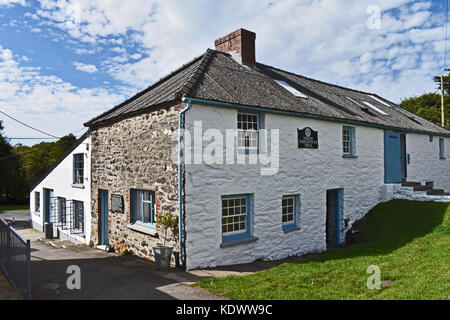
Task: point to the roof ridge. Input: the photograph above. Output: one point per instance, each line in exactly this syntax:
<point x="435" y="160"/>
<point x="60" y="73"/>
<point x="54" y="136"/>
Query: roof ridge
<point x="140" y="93"/>
<point x="195" y="75"/>
<point x="315" y="80"/>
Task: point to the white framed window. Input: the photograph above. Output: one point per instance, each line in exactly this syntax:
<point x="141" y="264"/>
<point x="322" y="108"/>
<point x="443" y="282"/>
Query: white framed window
<point x="288" y="213"/>
<point x="348" y="141"/>
<point x="78" y="169"/>
<point x="248" y="131"/>
<point x="235" y="215"/>
<point x="144" y="211"/>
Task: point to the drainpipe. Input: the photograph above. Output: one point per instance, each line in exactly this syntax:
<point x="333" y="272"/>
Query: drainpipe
<point x="180" y="177"/>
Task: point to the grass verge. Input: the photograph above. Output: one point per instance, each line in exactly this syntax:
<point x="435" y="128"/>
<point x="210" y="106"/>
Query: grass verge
<point x="409" y="241"/>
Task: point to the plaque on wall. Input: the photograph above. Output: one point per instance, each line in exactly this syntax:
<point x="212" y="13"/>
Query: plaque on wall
<point x="308" y="139"/>
<point x="117" y="205"/>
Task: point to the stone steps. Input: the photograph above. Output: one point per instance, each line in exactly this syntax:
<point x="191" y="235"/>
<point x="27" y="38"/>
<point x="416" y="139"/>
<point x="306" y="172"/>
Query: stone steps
<point x="417" y="192"/>
<point x="411" y="184"/>
<point x="423" y="188"/>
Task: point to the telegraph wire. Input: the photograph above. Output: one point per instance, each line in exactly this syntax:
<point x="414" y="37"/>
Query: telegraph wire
<point x="28" y="126"/>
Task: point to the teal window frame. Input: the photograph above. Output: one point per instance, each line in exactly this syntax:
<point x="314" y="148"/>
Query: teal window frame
<point x="259" y="122"/>
<point x="151" y="202"/>
<point x="78" y="169"/>
<point x="351" y="141"/>
<point x="291" y="225"/>
<point x="241" y="234"/>
<point x="441" y="148"/>
<point x="37" y="201"/>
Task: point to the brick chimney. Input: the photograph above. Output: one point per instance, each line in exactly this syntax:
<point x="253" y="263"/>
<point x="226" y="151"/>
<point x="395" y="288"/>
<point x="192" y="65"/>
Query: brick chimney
<point x="241" y="45"/>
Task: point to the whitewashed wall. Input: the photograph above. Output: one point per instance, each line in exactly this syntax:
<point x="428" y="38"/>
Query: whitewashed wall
<point x="306" y="172"/>
<point x="61" y="180"/>
<point x="425" y="164"/>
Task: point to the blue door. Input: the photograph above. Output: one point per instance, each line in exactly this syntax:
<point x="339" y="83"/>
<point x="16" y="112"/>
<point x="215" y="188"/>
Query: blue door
<point x="104" y="210"/>
<point x="393" y="170"/>
<point x="49" y="208"/>
<point x="334" y="217"/>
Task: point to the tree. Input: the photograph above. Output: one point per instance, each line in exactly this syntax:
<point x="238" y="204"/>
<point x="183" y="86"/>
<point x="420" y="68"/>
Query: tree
<point x="428" y="105"/>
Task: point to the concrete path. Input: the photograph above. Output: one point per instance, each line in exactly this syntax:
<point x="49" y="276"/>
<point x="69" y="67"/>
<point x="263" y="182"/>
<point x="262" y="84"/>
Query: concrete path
<point x="103" y="275"/>
<point x="7" y="292"/>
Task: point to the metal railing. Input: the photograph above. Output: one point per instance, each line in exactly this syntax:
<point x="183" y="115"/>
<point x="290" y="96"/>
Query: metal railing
<point x="15" y="259"/>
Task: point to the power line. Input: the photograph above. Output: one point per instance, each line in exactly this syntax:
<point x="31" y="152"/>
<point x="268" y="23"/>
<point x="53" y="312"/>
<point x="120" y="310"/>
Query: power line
<point x="28" y="126"/>
<point x="8" y="138"/>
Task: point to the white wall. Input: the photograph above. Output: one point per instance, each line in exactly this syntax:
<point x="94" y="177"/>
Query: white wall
<point x="61" y="180"/>
<point x="425" y="163"/>
<point x="306" y="172"/>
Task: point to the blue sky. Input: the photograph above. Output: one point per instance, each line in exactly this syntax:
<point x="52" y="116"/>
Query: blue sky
<point x="63" y="62"/>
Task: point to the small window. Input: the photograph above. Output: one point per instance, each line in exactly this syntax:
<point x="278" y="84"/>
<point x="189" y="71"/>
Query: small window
<point x="375" y="108"/>
<point x="289" y="214"/>
<point x="431" y="138"/>
<point x="37" y="201"/>
<point x="78" y="217"/>
<point x="61" y="208"/>
<point x="441" y="148"/>
<point x="291" y="89"/>
<point x="379" y="100"/>
<point x="348" y="141"/>
<point x="248" y="131"/>
<point x="144" y="212"/>
<point x="78" y="168"/>
<point x="235" y="215"/>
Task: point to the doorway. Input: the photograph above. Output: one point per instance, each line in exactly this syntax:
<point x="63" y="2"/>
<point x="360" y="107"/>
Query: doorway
<point x="395" y="159"/>
<point x="334" y="217"/>
<point x="49" y="206"/>
<point x="103" y="217"/>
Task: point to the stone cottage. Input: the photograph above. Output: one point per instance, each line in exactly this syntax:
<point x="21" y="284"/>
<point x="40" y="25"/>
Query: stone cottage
<point x="257" y="162"/>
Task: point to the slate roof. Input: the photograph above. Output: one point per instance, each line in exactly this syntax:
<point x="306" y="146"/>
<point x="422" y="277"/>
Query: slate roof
<point x="217" y="77"/>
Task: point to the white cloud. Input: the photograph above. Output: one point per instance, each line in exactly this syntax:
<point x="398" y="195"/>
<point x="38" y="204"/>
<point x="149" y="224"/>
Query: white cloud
<point x="11" y="2"/>
<point x="89" y="68"/>
<point x="48" y="102"/>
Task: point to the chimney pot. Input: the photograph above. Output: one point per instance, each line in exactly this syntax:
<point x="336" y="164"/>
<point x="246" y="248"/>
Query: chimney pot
<point x="241" y="44"/>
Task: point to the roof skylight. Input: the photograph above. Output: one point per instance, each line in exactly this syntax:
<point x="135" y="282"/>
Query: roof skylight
<point x="375" y="108"/>
<point x="379" y="100"/>
<point x="291" y="89"/>
<point x="357" y="103"/>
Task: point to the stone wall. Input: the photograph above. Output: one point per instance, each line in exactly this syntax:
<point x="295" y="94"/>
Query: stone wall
<point x="136" y="153"/>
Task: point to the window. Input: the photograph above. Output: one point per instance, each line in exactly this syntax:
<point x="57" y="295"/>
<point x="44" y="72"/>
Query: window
<point x="61" y="209"/>
<point x="235" y="215"/>
<point x="348" y="141"/>
<point x="37" y="201"/>
<point x="291" y="89"/>
<point x="375" y="108"/>
<point x="248" y="134"/>
<point x="289" y="205"/>
<point x="431" y="138"/>
<point x="144" y="212"/>
<point x="78" y="216"/>
<point x="78" y="168"/>
<point x="441" y="148"/>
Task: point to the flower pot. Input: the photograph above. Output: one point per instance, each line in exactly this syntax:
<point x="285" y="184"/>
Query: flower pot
<point x="162" y="257"/>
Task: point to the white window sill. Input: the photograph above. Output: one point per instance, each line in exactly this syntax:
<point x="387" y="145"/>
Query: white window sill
<point x="143" y="229"/>
<point x="78" y="186"/>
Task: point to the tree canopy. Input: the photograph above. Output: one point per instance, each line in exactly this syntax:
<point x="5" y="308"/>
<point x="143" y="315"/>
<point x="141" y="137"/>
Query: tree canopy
<point x="21" y="166"/>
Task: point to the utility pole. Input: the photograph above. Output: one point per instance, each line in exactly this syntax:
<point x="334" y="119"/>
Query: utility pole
<point x="442" y="102"/>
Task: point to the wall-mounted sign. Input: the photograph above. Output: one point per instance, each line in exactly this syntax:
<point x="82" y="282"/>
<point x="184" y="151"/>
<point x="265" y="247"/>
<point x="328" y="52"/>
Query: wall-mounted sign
<point x="308" y="139"/>
<point x="117" y="205"/>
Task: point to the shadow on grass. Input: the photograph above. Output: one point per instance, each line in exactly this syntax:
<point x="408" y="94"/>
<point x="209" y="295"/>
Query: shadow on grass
<point x="388" y="227"/>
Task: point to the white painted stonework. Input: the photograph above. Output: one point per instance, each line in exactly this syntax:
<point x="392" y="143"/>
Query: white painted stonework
<point x="307" y="172"/>
<point x="408" y="193"/>
<point x="425" y="164"/>
<point x="61" y="181"/>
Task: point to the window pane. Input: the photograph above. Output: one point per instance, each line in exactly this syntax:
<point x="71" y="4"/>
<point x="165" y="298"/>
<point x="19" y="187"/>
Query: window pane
<point x="234" y="213"/>
<point x="139" y="206"/>
<point x="147" y="212"/>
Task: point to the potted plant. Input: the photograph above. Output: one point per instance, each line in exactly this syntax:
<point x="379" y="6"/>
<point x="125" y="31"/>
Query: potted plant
<point x="162" y="253"/>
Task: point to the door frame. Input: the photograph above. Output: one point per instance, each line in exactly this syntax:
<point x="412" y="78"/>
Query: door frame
<point x="103" y="227"/>
<point x="391" y="161"/>
<point x="338" y="215"/>
<point x="47" y="203"/>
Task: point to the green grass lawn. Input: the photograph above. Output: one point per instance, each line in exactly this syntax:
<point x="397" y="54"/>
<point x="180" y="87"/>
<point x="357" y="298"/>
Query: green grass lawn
<point x="409" y="241"/>
<point x="14" y="207"/>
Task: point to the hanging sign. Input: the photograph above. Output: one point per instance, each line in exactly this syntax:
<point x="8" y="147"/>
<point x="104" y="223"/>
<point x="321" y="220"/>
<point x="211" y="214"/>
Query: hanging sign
<point x="117" y="203"/>
<point x="308" y="139"/>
